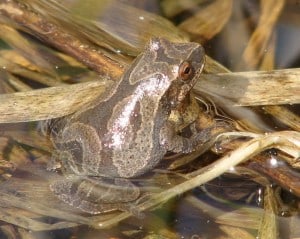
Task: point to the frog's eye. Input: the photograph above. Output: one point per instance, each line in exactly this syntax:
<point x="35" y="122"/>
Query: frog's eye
<point x="185" y="71"/>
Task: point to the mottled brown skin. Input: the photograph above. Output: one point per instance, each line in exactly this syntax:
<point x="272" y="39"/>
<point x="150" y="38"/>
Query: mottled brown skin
<point x="127" y="132"/>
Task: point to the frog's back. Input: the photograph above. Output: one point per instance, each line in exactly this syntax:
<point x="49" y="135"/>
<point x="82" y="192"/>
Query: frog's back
<point x="128" y="128"/>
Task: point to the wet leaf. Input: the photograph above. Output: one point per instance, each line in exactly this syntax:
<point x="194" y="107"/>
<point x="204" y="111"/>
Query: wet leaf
<point x="257" y="45"/>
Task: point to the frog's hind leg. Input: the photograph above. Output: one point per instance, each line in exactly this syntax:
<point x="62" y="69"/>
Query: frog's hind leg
<point x="91" y="196"/>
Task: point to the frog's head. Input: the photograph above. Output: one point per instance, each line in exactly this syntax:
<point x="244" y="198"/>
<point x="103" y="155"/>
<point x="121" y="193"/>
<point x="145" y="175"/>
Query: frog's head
<point x="170" y="68"/>
<point x="185" y="64"/>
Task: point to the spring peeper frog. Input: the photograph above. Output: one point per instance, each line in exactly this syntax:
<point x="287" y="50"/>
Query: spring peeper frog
<point x="126" y="132"/>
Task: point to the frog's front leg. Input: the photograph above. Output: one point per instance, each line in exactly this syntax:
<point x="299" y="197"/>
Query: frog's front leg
<point x="179" y="144"/>
<point x="95" y="194"/>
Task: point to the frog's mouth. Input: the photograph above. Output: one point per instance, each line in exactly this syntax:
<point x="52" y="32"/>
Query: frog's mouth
<point x="184" y="104"/>
<point x="198" y="72"/>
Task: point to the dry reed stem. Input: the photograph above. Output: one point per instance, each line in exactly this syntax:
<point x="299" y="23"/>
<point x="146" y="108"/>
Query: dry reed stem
<point x="60" y="38"/>
<point x="256" y="47"/>
<point x="51" y="102"/>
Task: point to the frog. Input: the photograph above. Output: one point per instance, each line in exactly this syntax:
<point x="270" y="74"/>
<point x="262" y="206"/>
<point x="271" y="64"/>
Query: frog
<point x="126" y="131"/>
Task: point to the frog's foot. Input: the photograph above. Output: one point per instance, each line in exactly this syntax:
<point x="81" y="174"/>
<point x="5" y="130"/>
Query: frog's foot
<point x="131" y="208"/>
<point x="222" y="126"/>
<point x="206" y="135"/>
<point x="134" y="207"/>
